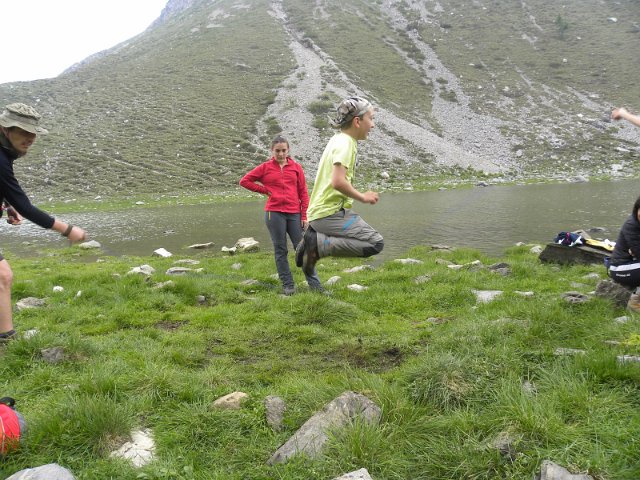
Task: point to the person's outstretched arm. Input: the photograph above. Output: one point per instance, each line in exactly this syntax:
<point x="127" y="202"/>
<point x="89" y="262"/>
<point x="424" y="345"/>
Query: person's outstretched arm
<point x="623" y="113"/>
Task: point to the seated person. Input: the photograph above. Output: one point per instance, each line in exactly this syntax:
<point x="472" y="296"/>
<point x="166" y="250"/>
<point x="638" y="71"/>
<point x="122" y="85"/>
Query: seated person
<point x="624" y="267"/>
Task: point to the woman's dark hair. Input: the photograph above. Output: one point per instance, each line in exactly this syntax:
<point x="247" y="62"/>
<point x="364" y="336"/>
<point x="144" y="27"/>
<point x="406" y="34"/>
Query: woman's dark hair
<point x="280" y="139"/>
<point x="636" y="207"/>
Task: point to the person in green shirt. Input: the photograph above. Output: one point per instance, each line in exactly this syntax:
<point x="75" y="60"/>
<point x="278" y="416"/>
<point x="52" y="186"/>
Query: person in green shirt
<point x="334" y="229"/>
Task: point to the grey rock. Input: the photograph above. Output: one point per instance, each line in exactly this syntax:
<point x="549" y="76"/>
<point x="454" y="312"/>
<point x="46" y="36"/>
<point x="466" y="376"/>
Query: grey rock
<point x="274" y="411"/>
<point x="621" y="320"/>
<point x="579" y="254"/>
<point x="357" y="288"/>
<point x="421" y="279"/>
<point x="359" y="268"/>
<point x="53" y="355"/>
<point x="142" y="270"/>
<point x="182" y="270"/>
<point x="162" y="252"/>
<point x="552" y="471"/>
<point x="333" y="280"/>
<point x="90" y="244"/>
<point x="311" y="437"/>
<point x="30" y="302"/>
<point x="187" y="261"/>
<point x="485" y="296"/>
<point x="438" y="246"/>
<point x="229" y="250"/>
<point x="362" y="474"/>
<point x="247" y="245"/>
<point x="568" y="352"/>
<point x="52" y="471"/>
<point x="140" y="450"/>
<point x="232" y="401"/>
<point x="574" y="297"/>
<point x="408" y="261"/>
<point x="628" y="359"/>
<point x="201" y="246"/>
<point x="615" y="292"/>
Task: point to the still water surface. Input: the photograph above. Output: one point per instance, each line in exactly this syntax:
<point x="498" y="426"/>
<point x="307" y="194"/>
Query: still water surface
<point x="489" y="219"/>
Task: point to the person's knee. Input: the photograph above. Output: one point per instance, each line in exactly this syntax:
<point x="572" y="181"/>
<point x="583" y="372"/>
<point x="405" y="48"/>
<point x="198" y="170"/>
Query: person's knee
<point x="375" y="249"/>
<point x="6" y="275"/>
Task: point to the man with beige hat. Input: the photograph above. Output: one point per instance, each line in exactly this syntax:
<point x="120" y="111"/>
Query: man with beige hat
<point x="19" y="125"/>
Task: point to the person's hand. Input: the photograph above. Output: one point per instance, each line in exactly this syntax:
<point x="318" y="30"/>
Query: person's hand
<point x="13" y="217"/>
<point x="305" y="225"/>
<point x="77" y="235"/>
<point x="370" y="197"/>
<point x="618" y="113"/>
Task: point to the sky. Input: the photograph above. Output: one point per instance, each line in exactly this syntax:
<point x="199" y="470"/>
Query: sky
<point x="42" y="38"/>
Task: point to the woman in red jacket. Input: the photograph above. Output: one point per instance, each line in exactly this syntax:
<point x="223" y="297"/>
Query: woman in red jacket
<point x="281" y="178"/>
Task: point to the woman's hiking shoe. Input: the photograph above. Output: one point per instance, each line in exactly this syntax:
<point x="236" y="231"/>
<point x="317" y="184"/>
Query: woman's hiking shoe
<point x="8" y="336"/>
<point x="311" y="255"/>
<point x="288" y="291"/>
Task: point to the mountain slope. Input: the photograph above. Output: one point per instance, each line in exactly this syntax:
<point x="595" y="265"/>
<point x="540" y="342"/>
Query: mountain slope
<point x="514" y="89"/>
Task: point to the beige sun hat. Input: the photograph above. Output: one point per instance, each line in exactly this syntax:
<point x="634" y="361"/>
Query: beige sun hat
<point x="22" y="116"/>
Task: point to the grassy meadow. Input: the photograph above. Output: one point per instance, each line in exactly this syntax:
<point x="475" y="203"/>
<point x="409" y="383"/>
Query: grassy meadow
<point x="447" y="372"/>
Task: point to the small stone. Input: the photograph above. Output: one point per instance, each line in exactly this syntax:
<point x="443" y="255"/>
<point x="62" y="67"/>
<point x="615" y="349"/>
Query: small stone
<point x="140" y="450"/>
<point x="89" y="245"/>
<point x="621" y="320"/>
<point x="30" y="333"/>
<point x="628" y="359"/>
<point x="167" y="284"/>
<point x="362" y="474"/>
<point x="560" y="352"/>
<point x="357" y="269"/>
<point x="30" y="302"/>
<point x="78" y="293"/>
<point x="274" y="410"/>
<point x="249" y="282"/>
<point x="162" y="252"/>
<point x="486" y="296"/>
<point x="180" y="270"/>
<point x="421" y="279"/>
<point x="536" y="250"/>
<point x="200" y="246"/>
<point x="231" y="401"/>
<point x="524" y="294"/>
<point x="574" y="297"/>
<point x="357" y="288"/>
<point x="187" y="261"/>
<point x="147" y="270"/>
<point x="408" y="261"/>
<point x="53" y="355"/>
<point x="247" y="245"/>
<point x="201" y="299"/>
<point x="333" y="280"/>
<point x="58" y="288"/>
<point x="236" y="266"/>
<point x="229" y="250"/>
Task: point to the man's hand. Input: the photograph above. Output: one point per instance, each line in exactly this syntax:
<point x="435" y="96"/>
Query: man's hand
<point x="618" y="113"/>
<point x="77" y="235"/>
<point x="13" y="217"/>
<point x="370" y="197"/>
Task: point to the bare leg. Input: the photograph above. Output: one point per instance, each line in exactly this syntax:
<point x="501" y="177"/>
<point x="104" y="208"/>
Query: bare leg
<point x="6" y="279"/>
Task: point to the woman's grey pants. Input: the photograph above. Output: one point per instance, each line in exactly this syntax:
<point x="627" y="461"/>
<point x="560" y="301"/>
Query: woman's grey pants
<point x="280" y="225"/>
<point x="346" y="234"/>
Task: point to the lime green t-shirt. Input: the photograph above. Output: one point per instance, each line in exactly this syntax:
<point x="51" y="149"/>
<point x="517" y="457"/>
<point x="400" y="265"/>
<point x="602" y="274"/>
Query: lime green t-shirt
<point x="326" y="200"/>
